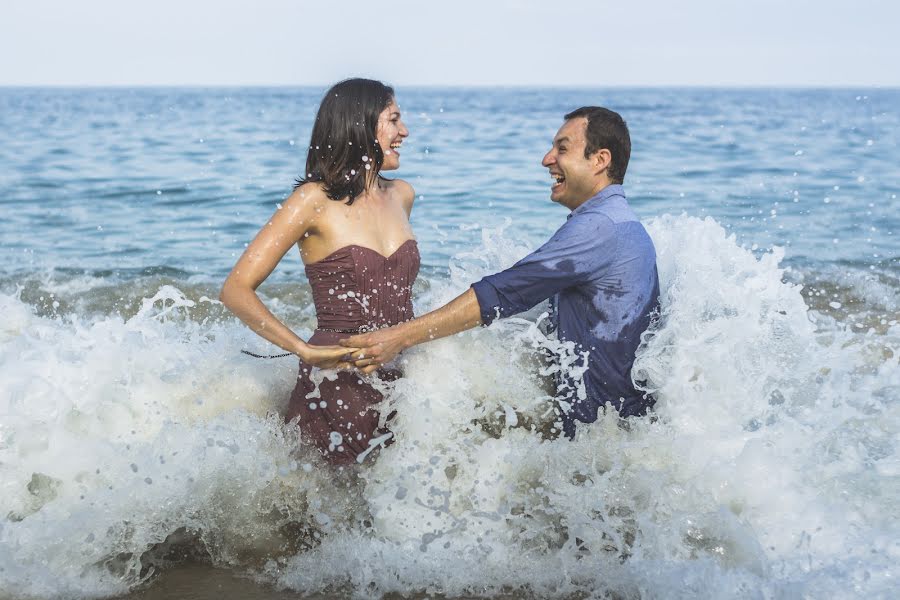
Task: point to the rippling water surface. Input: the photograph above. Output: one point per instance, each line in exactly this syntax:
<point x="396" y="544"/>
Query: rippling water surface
<point x="135" y="439"/>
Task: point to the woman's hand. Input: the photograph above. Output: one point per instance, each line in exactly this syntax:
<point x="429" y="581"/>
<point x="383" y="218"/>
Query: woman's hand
<point x="327" y="357"/>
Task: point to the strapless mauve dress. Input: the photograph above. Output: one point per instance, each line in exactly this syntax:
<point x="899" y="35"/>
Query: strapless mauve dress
<point x="354" y="289"/>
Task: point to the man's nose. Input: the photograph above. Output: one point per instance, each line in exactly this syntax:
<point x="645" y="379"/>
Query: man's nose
<point x="549" y="159"/>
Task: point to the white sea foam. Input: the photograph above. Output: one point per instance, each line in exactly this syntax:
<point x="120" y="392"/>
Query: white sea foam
<point x="770" y="469"/>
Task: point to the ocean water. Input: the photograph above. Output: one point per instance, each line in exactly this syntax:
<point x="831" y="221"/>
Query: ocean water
<point x="136" y="440"/>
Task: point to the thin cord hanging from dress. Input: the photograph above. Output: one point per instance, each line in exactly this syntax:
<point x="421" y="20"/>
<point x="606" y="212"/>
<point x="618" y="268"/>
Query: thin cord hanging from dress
<point x="267" y="355"/>
<point x="360" y="329"/>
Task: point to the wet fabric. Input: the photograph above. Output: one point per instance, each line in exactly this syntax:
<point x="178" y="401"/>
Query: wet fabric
<point x="599" y="271"/>
<point x="354" y="289"/>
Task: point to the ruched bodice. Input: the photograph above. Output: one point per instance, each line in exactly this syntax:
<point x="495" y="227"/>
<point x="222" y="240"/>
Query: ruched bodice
<point x="356" y="288"/>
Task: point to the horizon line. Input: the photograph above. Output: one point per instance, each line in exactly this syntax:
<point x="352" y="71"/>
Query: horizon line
<point x="694" y="86"/>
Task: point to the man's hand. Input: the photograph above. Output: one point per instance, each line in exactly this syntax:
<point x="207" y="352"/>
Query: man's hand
<point x="372" y="350"/>
<point x="328" y="357"/>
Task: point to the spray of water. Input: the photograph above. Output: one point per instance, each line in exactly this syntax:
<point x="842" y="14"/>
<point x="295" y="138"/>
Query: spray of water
<point x="768" y="469"/>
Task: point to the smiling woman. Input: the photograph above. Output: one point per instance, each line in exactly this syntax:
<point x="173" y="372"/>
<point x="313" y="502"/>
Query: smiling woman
<point x="352" y="227"/>
<point x="343" y="154"/>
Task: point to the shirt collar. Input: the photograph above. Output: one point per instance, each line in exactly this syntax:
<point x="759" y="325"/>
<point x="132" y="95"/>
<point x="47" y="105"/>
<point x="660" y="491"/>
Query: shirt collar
<point x="609" y="191"/>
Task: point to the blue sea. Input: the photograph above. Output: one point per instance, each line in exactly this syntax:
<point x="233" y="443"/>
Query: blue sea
<point x="136" y="440"/>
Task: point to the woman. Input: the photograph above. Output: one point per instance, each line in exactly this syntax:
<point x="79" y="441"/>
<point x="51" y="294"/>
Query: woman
<point x="352" y="228"/>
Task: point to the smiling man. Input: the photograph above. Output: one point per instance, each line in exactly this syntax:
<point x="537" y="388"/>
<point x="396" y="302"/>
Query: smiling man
<point x="598" y="270"/>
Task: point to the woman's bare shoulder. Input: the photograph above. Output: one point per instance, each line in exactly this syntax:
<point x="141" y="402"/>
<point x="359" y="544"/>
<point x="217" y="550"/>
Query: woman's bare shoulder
<point x="403" y="191"/>
<point x="402" y="187"/>
<point x="308" y="195"/>
<point x="300" y="212"/>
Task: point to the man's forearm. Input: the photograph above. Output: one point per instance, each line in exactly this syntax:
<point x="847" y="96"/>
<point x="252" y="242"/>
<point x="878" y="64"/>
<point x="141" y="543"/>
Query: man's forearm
<point x="462" y="313"/>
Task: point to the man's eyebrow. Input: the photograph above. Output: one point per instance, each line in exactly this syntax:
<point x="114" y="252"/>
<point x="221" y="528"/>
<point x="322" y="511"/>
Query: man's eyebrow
<point x="559" y="141"/>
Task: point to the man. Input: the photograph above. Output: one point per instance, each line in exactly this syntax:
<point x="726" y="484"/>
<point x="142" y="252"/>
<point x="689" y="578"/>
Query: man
<point x="598" y="269"/>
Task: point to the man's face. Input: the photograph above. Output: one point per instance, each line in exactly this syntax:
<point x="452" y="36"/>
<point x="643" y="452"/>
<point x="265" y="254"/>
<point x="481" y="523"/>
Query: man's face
<point x="575" y="178"/>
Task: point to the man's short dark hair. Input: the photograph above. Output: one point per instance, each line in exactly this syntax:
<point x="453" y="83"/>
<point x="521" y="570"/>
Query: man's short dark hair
<point x="606" y="129"/>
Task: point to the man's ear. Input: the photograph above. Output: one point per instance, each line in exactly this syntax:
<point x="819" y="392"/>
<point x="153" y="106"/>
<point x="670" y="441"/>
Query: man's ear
<point x="601" y="159"/>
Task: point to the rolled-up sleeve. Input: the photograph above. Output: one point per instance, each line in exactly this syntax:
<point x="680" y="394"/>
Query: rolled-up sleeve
<point x="580" y="250"/>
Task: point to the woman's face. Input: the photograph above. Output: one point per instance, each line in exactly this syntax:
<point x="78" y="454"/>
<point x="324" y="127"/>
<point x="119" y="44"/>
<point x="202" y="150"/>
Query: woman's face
<point x="390" y="134"/>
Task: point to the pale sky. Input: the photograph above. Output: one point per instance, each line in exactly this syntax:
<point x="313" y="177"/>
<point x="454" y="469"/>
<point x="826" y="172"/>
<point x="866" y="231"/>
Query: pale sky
<point x="454" y="42"/>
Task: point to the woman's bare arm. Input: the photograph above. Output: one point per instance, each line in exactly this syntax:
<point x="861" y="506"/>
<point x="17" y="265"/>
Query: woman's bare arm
<point x="288" y="225"/>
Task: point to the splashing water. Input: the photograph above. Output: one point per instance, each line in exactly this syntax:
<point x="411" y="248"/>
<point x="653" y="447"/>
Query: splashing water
<point x="768" y="469"/>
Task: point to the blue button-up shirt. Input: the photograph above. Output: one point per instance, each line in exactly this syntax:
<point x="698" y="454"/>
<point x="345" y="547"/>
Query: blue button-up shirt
<point x="599" y="270"/>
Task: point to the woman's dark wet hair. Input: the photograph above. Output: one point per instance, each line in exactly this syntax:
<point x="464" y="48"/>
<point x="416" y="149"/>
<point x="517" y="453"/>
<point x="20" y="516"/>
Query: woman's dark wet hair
<point x="343" y="153"/>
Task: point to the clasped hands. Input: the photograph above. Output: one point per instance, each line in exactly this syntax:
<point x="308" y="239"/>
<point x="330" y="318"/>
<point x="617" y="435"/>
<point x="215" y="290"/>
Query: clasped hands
<point x="365" y="352"/>
<point x="369" y="351"/>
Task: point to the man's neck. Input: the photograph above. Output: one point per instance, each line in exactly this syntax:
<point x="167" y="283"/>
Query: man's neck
<point x="601" y="185"/>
